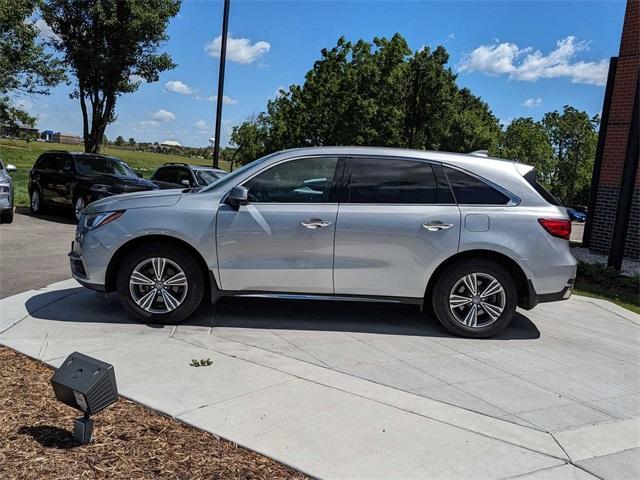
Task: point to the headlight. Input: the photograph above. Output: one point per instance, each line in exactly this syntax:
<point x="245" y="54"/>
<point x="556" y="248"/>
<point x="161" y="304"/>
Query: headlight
<point x="95" y="220"/>
<point x="5" y="188"/>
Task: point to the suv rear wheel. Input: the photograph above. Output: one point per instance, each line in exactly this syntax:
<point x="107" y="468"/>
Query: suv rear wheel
<point x="160" y="284"/>
<point x="475" y="298"/>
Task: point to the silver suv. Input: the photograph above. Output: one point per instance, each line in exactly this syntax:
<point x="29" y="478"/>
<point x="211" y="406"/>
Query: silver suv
<point x="471" y="237"/>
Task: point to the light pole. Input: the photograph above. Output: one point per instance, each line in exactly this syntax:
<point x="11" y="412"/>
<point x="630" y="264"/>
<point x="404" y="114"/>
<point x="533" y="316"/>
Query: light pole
<point x="223" y="57"/>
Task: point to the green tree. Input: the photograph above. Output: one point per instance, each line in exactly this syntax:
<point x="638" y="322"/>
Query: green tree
<point x="119" y="141"/>
<point x="25" y="67"/>
<point x="109" y="45"/>
<point x="378" y="93"/>
<point x="250" y="140"/>
<point x="526" y="141"/>
<point x="132" y="142"/>
<point x="573" y="138"/>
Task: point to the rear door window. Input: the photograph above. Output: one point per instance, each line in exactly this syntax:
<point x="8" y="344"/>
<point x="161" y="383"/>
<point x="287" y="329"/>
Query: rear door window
<point x="392" y="181"/>
<point x="470" y="190"/>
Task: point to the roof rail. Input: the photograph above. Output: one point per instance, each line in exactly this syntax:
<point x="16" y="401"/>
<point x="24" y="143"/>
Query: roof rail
<point x="480" y="153"/>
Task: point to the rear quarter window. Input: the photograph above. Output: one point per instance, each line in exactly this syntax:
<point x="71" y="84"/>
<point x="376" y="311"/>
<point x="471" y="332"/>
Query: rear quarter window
<point x="543" y="192"/>
<point x="473" y="191"/>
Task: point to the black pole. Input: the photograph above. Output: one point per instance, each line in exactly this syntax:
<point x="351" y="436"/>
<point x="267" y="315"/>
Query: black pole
<point x="597" y="166"/>
<point x="223" y="57"/>
<point x="625" y="197"/>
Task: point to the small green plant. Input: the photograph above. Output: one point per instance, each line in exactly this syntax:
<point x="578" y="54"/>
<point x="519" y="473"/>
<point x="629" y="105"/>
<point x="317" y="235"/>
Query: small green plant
<point x="203" y="362"/>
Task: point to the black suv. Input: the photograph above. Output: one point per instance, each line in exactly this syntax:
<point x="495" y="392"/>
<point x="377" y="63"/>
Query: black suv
<point x="69" y="179"/>
<point x="181" y="175"/>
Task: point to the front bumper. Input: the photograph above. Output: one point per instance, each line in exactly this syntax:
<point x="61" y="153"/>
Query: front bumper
<point x="88" y="261"/>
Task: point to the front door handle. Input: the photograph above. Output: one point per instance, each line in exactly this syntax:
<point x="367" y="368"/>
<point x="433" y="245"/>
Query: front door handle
<point x="435" y="226"/>
<point x="313" y="223"/>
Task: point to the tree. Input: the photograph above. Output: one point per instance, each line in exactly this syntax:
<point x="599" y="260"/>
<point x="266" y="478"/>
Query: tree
<point x="119" y="141"/>
<point x="377" y="93"/>
<point x="574" y="139"/>
<point x="526" y="141"/>
<point x="132" y="142"/>
<point x="110" y="46"/>
<point x="25" y="67"/>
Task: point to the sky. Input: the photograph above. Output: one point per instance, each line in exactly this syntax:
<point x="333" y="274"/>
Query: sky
<point x="522" y="58"/>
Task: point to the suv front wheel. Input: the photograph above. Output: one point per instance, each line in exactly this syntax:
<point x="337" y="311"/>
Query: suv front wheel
<point x="475" y="298"/>
<point x="160" y="284"/>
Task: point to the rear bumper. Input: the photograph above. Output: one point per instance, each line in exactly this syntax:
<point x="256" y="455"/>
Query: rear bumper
<point x="532" y="298"/>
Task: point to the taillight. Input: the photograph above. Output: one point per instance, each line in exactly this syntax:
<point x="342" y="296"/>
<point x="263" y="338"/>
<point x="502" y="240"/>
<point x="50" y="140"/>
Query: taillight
<point x="557" y="227"/>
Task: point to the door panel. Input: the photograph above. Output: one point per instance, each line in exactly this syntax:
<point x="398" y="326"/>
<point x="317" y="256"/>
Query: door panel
<point x="266" y="247"/>
<point x="385" y="250"/>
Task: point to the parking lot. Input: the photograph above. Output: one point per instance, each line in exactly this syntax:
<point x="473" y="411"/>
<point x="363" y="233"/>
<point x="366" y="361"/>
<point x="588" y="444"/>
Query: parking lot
<point x="33" y="251"/>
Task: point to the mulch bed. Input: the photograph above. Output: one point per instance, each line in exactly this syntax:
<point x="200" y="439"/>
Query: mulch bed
<point x="130" y="441"/>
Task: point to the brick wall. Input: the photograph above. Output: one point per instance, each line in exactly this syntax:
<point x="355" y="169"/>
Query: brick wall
<point x="615" y="143"/>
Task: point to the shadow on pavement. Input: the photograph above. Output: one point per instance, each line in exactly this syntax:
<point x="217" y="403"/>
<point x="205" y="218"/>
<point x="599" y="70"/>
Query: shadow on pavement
<point x="268" y="314"/>
<point x="61" y="216"/>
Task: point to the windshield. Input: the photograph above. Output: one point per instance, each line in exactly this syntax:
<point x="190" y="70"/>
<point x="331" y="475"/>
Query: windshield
<point x="207" y="177"/>
<point x="230" y="176"/>
<point x="104" y="165"/>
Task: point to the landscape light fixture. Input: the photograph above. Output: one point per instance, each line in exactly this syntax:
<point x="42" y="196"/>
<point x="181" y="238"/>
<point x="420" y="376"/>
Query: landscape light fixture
<point x="86" y="384"/>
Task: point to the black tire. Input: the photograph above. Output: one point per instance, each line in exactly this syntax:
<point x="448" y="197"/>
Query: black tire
<point x="184" y="260"/>
<point x="36" y="208"/>
<point x="6" y="216"/>
<point x="74" y="214"/>
<point x="452" y="276"/>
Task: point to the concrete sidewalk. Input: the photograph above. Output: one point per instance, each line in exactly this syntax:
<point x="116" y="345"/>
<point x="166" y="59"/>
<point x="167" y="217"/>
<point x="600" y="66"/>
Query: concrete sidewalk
<point x="369" y="391"/>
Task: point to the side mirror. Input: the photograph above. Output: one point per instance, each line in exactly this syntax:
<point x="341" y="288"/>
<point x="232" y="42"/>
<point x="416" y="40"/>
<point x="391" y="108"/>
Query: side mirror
<point x="238" y="196"/>
<point x="185" y="182"/>
<point x="10" y="168"/>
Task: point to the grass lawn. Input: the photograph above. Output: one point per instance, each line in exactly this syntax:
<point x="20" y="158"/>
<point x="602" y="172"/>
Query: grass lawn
<point x="600" y="281"/>
<point x="23" y="154"/>
<point x="130" y="441"/>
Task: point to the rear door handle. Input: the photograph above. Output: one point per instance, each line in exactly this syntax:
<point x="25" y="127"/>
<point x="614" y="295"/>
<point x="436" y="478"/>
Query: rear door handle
<point x="313" y="223"/>
<point x="435" y="226"/>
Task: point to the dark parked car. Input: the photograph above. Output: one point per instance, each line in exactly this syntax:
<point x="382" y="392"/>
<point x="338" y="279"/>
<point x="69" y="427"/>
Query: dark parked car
<point x="181" y="175"/>
<point x="69" y="179"/>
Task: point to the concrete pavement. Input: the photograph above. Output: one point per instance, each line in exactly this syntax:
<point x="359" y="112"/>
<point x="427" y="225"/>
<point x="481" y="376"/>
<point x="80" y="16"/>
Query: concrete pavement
<point x="370" y="391"/>
<point x="33" y="251"/>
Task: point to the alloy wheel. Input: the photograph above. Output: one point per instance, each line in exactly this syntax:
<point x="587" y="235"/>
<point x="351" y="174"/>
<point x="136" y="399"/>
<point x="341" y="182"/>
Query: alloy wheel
<point x="35" y="200"/>
<point x="477" y="300"/>
<point x="158" y="285"/>
<point x="79" y="207"/>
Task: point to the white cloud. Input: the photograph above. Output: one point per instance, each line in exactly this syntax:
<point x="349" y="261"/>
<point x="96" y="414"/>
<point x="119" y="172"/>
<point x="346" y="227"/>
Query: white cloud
<point x="201" y="125"/>
<point x="532" y="102"/>
<point x="239" y="50"/>
<point x="212" y="98"/>
<point x="163" y="116"/>
<point x="527" y="64"/>
<point x="177" y="86"/>
<point x="44" y="30"/>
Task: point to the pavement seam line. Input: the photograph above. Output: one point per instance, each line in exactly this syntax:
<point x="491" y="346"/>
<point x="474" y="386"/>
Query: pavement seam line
<point x="395" y="406"/>
<point x="29" y="314"/>
<point x="243" y="395"/>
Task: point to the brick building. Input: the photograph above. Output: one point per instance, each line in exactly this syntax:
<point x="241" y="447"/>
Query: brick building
<point x="613" y="223"/>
